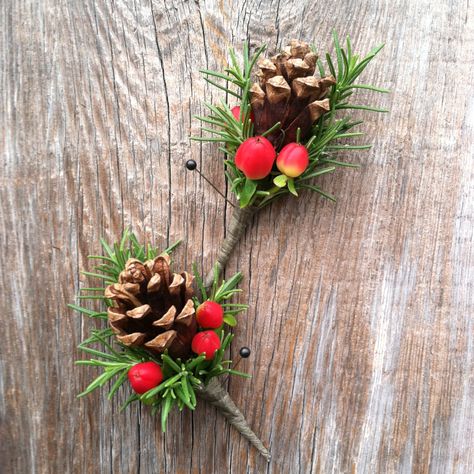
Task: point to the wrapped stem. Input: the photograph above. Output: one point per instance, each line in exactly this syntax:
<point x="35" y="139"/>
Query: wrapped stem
<point x="215" y="394"/>
<point x="238" y="222"/>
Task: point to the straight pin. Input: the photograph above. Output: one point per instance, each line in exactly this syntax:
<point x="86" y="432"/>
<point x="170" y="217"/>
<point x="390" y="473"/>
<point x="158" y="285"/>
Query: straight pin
<point x="244" y="353"/>
<point x="191" y="165"/>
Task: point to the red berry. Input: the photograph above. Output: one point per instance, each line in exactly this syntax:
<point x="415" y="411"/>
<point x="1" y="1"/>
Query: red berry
<point x="210" y="315"/>
<point x="236" y="113"/>
<point x="145" y="376"/>
<point x="206" y="342"/>
<point x="293" y="159"/>
<point x="255" y="157"/>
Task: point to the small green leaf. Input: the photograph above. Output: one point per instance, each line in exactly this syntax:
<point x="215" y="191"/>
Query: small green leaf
<point x="341" y="163"/>
<point x="370" y="88"/>
<point x="172" y="380"/>
<point x="88" y="312"/>
<point x="226" y="342"/>
<point x="154" y="391"/>
<point x="182" y="398"/>
<point x="97" y="275"/>
<point x="195" y="362"/>
<point x="195" y="381"/>
<point x="338" y="55"/>
<point x="322" y="72"/>
<point x="168" y="360"/>
<point x="103" y="257"/>
<point x="107" y="248"/>
<point x="280" y="180"/>
<point x="199" y="282"/>
<point x="169" y="401"/>
<point x="361" y="107"/>
<point x="120" y="380"/>
<point x="271" y="129"/>
<point x="97" y="353"/>
<point x="247" y="192"/>
<point x="330" y="65"/>
<point x="291" y="187"/>
<point x="225" y="89"/>
<point x="91" y="297"/>
<point x="318" y="172"/>
<point x="319" y="191"/>
<point x="101" y="380"/>
<point x="230" y="320"/>
<point x="171" y="248"/>
<point x="215" y="74"/>
<point x="228" y="288"/>
<point x="215" y="280"/>
<point x="236" y="372"/>
<point x="348" y="147"/>
<point x="192" y="395"/>
<point x="97" y="336"/>
<point x="130" y="399"/>
<point x="184" y="387"/>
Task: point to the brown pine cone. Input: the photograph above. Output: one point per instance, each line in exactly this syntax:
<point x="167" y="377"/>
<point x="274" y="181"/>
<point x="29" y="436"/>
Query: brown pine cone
<point x="288" y="92"/>
<point x="153" y="307"/>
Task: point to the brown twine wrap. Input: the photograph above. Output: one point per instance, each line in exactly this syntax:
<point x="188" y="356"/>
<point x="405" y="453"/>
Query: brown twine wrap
<point x="238" y="222"/>
<point x="215" y="394"/>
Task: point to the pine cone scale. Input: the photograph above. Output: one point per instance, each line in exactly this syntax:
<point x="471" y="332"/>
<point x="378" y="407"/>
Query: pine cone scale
<point x="135" y="339"/>
<point x="154" y="283"/>
<point x="139" y="312"/>
<point x="167" y="321"/>
<point x="162" y="342"/>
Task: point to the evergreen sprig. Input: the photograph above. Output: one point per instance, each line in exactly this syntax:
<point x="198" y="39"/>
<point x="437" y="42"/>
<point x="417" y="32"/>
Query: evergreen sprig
<point x="325" y="137"/>
<point x="181" y="378"/>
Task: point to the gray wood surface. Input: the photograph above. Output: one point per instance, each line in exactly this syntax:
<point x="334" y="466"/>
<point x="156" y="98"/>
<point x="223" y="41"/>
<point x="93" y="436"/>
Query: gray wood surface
<point x="361" y="311"/>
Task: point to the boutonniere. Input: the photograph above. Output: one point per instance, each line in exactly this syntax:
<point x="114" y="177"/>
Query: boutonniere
<point x="286" y="121"/>
<point x="164" y="337"/>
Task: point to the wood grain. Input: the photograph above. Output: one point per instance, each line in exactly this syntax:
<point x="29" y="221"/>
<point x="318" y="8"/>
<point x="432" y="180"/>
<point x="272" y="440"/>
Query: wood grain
<point x="360" y="320"/>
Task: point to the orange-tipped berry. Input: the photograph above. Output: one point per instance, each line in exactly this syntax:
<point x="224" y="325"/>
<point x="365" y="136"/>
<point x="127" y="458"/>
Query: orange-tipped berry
<point x="206" y="342"/>
<point x="210" y="315"/>
<point x="293" y="160"/>
<point x="145" y="376"/>
<point x="255" y="157"/>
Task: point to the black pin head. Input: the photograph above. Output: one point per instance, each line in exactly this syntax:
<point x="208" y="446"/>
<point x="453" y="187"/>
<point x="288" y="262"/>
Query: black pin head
<point x="244" y="352"/>
<point x="191" y="165"/>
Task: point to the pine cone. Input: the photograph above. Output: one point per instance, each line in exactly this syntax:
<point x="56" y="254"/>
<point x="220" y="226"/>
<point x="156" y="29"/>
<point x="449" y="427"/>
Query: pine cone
<point x="288" y="92"/>
<point x="153" y="307"/>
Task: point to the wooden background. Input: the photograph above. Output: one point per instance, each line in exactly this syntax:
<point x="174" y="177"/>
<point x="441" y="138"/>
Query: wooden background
<point x="361" y="311"/>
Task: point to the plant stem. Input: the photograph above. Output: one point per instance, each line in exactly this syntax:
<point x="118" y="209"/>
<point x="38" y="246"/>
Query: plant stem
<point x="238" y="222"/>
<point x="215" y="394"/>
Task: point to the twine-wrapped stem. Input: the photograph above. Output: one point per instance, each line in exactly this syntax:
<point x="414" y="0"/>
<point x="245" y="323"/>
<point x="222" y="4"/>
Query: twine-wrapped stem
<point x="238" y="222"/>
<point x="215" y="394"/>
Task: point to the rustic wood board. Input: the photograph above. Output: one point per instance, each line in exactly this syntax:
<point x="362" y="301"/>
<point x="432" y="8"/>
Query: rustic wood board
<point x="361" y="311"/>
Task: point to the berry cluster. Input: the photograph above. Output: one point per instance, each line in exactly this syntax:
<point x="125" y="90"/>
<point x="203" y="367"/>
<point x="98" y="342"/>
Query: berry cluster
<point x="209" y="316"/>
<point x="255" y="157"/>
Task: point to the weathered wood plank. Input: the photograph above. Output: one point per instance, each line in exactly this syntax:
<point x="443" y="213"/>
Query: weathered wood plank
<point x="360" y="322"/>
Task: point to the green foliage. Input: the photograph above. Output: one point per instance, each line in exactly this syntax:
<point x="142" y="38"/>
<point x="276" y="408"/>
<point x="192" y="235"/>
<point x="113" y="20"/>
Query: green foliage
<point x="326" y="135"/>
<point x="221" y="294"/>
<point x="181" y="378"/>
<point x="238" y="81"/>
